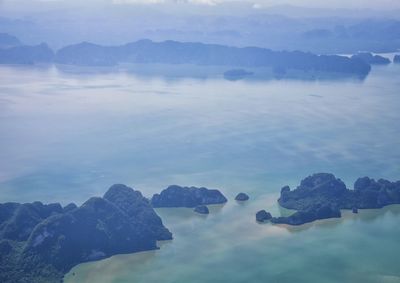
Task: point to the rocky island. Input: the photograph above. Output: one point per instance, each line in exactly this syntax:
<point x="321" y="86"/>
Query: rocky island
<point x="322" y="195"/>
<point x="40" y="243"/>
<point x="242" y="197"/>
<point x="263" y="216"/>
<point x="177" y="196"/>
<point x="174" y="53"/>
<point x="371" y="59"/>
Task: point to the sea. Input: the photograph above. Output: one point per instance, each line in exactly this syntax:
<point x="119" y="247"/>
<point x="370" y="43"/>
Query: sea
<point x="69" y="133"/>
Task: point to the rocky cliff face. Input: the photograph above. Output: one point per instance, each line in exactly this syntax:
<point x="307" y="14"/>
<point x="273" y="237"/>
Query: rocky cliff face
<point x="177" y="196"/>
<point x="48" y="241"/>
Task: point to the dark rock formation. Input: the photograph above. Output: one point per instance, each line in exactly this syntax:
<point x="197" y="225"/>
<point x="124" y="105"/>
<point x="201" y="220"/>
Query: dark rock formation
<point x="242" y="197"/>
<point x="396" y="59"/>
<point x="177" y="196"/>
<point x="371" y="59"/>
<point x="354" y="210"/>
<point x="69" y="207"/>
<point x="202" y="209"/>
<point x="369" y="193"/>
<point x="137" y="208"/>
<point x="325" y="191"/>
<point x="18" y="220"/>
<point x="40" y="243"/>
<point x="311" y="214"/>
<point x="262" y="216"/>
<point x="285" y="189"/>
<point x="321" y="188"/>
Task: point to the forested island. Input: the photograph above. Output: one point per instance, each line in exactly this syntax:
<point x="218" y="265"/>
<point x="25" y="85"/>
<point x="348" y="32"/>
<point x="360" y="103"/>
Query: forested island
<point x="322" y="196"/>
<point x="181" y="53"/>
<point x="41" y="242"/>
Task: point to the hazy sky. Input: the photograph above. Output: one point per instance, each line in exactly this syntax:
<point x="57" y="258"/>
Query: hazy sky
<point x="361" y="4"/>
<point x="266" y="3"/>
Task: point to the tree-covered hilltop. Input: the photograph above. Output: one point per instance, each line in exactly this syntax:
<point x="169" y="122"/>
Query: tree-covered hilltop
<point x="177" y="196"/>
<point x="322" y="195"/>
<point x="40" y="243"/>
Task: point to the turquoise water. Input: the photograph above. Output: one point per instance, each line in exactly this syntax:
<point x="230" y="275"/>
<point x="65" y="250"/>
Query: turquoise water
<point x="68" y="136"/>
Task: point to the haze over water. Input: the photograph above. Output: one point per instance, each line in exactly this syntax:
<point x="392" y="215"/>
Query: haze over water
<point x="68" y="136"/>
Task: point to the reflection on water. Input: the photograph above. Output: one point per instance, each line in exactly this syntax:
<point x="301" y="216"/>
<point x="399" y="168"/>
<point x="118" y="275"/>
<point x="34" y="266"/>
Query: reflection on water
<point x="185" y="71"/>
<point x="66" y="136"/>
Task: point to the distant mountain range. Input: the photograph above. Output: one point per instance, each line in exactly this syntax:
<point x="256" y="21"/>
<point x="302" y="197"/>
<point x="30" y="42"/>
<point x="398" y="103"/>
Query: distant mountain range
<point x="175" y="53"/>
<point x="231" y="23"/>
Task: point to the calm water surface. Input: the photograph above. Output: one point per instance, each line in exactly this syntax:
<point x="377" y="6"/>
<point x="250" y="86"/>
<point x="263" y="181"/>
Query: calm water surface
<point x="68" y="136"/>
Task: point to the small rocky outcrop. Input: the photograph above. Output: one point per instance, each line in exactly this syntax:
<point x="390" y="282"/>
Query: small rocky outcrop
<point x="201" y="209"/>
<point x="40" y="243"/>
<point x="354" y="210"/>
<point x="263" y="216"/>
<point x="177" y="196"/>
<point x="396" y="59"/>
<point x="242" y="197"/>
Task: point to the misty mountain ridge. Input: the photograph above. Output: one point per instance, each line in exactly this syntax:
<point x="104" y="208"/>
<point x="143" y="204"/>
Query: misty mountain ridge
<point x="282" y="27"/>
<point x="172" y="52"/>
